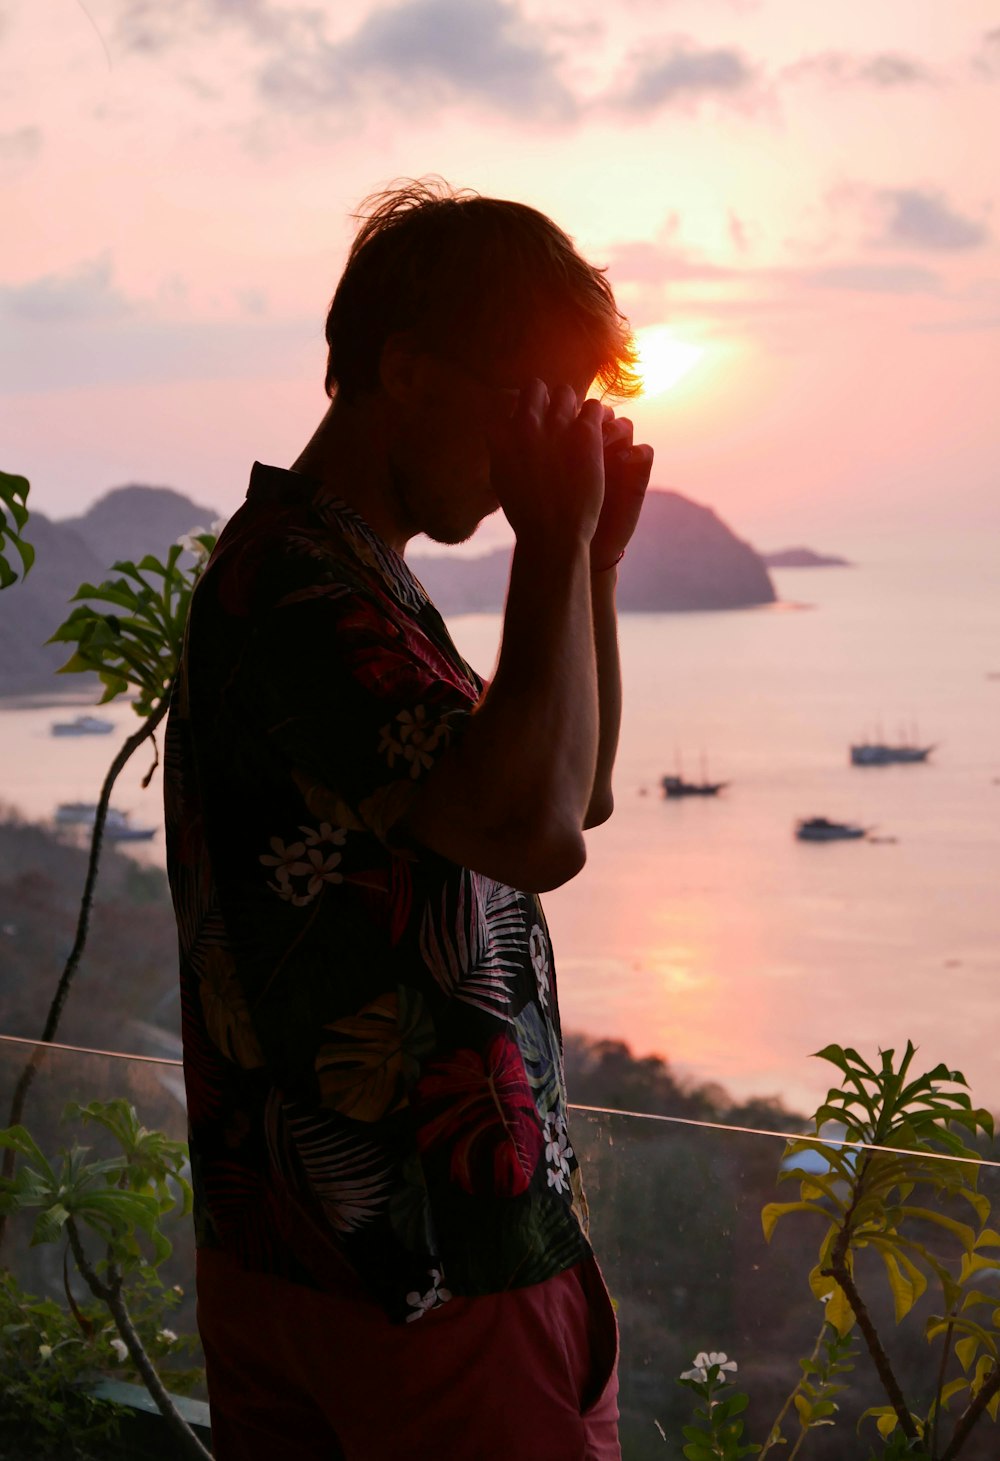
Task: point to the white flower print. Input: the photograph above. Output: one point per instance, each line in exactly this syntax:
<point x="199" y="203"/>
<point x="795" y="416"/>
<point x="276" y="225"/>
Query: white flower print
<point x="539" y="949"/>
<point x="308" y="860"/>
<point x="324" y="833"/>
<point x="557" y="1151"/>
<point x="412" y="738"/>
<point x="435" y="1295"/>
<point x="318" y="869"/>
<point x="281" y="856"/>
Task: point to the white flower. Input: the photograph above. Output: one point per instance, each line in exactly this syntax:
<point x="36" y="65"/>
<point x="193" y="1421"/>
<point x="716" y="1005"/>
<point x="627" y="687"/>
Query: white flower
<point x="120" y="1348"/>
<point x="704" y="1361"/>
<point x="557" y="1178"/>
<point x="167" y="1336"/>
<point x="45" y="1351"/>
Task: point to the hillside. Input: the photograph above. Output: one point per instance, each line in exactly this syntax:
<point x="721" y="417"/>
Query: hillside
<point x="682" y="558"/>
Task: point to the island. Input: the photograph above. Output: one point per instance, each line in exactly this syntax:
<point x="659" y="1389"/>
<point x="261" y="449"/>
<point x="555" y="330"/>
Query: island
<point x="804" y="558"/>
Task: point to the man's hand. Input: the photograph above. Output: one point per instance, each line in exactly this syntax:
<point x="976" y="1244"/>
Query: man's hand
<point x="547" y="465"/>
<point x="626" y="477"/>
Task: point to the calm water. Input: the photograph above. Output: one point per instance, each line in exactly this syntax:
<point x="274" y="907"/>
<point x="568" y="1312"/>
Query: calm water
<point x="703" y="930"/>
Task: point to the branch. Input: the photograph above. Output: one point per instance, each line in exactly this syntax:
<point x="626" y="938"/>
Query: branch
<point x="774" y="1434"/>
<point x="838" y="1270"/>
<point x="971" y="1414"/>
<point x="111" y="1294"/>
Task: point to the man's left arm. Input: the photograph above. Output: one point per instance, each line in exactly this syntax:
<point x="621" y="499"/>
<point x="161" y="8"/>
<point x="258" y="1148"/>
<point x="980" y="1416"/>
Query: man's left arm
<point x="626" y="475"/>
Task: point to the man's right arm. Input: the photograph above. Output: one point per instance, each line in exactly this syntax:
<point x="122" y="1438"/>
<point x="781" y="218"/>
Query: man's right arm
<point x="510" y="798"/>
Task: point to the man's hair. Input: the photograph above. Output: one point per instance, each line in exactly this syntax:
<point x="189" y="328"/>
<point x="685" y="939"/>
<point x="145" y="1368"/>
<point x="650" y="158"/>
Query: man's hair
<point x="472" y="279"/>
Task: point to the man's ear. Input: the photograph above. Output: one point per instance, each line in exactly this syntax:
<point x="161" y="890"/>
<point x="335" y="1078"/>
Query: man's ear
<point x="402" y="366"/>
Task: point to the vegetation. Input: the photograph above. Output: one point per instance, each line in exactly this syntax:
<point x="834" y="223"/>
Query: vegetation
<point x="120" y="1201"/>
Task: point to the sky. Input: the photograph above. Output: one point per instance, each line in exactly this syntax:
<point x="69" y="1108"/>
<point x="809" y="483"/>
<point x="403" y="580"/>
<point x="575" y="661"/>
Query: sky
<point x="803" y="199"/>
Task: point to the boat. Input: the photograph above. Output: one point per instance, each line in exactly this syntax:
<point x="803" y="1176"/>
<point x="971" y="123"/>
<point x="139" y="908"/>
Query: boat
<point x="82" y="725"/>
<point x="821" y="829"/>
<point x="117" y="827"/>
<point x="875" y="753"/>
<point x="878" y="752"/>
<point x="677" y="786"/>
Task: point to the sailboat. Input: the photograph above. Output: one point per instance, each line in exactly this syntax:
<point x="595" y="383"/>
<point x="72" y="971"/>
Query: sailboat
<point x="676" y="786"/>
<point x="906" y="751"/>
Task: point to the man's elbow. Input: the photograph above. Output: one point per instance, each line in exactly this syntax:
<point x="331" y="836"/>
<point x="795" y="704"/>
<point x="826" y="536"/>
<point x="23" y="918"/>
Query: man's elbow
<point x="599" y="811"/>
<point x="554" y="861"/>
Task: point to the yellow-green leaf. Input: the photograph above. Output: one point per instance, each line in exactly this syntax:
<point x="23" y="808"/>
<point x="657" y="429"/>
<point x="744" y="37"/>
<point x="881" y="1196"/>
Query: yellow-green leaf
<point x="774" y="1210"/>
<point x="966" y="1349"/>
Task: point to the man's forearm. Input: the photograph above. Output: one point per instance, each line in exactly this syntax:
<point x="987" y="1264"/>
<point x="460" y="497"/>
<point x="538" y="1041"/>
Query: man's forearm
<point x="609" y="693"/>
<point x="511" y="797"/>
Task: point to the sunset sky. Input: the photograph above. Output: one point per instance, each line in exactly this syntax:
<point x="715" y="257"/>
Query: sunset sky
<point x="806" y="194"/>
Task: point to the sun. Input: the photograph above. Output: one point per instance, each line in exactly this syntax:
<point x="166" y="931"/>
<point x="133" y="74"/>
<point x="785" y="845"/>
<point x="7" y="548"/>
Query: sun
<point x="663" y="359"/>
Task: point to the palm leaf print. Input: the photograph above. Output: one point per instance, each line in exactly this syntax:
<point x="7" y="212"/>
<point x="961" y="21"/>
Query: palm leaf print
<point x="542" y="1065"/>
<point x="349" y="1176"/>
<point x="475" y="945"/>
<point x="367" y="1069"/>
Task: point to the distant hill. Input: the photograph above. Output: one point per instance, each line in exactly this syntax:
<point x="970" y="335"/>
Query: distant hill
<point x="804" y="558"/>
<point x="683" y="557"/>
<point x="126" y="523"/>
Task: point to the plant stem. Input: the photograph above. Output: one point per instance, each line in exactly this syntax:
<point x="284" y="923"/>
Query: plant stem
<point x="838" y="1270"/>
<point x="942" y="1369"/>
<point x="774" y="1432"/>
<point x="971" y="1414"/>
<point x="129" y="747"/>
<point x="111" y="1294"/>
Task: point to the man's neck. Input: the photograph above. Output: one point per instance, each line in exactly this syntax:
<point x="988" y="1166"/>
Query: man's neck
<point x="348" y="456"/>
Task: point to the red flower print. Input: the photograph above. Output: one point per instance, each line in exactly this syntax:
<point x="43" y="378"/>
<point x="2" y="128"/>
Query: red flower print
<point x="481" y="1106"/>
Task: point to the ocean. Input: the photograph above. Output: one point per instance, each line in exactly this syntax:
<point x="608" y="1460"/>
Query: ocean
<point x="702" y="930"/>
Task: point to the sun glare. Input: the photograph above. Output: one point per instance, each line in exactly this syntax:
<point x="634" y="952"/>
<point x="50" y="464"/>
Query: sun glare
<point x="663" y="359"/>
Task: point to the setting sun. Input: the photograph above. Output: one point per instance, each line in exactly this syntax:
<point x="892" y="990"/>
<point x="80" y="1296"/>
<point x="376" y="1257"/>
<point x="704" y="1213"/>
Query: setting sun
<point x="663" y="359"/>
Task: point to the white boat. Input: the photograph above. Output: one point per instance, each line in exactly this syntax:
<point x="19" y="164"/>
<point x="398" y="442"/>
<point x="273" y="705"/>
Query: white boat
<point x="117" y="827"/>
<point x="820" y="829"/>
<point x="82" y="725"/>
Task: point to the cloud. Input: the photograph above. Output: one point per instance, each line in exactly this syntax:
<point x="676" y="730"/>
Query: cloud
<point x="21" y="145"/>
<point x="875" y="278"/>
<point x="923" y="219"/>
<point x="87" y="293"/>
<point x="471" y="50"/>
<point x="987" y="61"/>
<point x="884" y="70"/>
<point x="683" y="74"/>
<point x="151" y="27"/>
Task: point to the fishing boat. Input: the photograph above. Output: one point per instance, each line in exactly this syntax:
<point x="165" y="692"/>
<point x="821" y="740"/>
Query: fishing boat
<point x="117" y="826"/>
<point x="82" y="725"/>
<point x="821" y="829"/>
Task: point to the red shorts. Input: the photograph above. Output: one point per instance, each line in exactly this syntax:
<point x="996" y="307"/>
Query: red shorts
<point x="525" y="1375"/>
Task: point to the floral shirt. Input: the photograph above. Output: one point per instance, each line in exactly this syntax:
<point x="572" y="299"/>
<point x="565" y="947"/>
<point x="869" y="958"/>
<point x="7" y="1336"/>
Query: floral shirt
<point x="372" y="1048"/>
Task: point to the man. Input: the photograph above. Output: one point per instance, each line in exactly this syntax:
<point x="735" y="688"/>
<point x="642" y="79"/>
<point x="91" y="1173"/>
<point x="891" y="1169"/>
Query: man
<point x="391" y="1226"/>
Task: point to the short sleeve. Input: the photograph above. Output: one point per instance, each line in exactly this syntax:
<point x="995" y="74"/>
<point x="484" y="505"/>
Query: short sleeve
<point x="357" y="696"/>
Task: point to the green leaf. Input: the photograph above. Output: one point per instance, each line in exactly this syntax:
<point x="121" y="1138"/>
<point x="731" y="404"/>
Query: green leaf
<point x="966" y="1350"/>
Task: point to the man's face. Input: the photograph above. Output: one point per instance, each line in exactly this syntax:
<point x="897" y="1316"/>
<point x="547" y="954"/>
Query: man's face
<point x="441" y="452"/>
